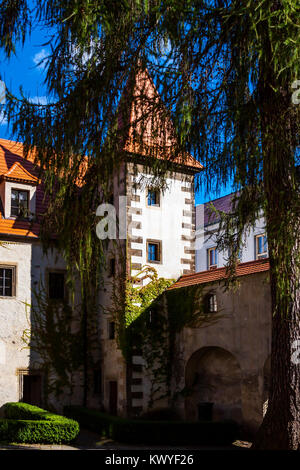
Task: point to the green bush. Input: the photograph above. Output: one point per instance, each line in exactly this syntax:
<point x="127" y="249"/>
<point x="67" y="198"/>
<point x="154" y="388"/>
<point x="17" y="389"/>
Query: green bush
<point x="29" y="424"/>
<point x="136" y="431"/>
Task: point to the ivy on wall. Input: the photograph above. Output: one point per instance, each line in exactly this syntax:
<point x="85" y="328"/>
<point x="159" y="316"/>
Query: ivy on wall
<point x="148" y="320"/>
<point x="55" y="338"/>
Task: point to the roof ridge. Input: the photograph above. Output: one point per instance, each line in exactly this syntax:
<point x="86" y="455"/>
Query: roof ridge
<point x="18" y="164"/>
<point x="218" y="198"/>
<point x="218" y="274"/>
<point x="246" y="263"/>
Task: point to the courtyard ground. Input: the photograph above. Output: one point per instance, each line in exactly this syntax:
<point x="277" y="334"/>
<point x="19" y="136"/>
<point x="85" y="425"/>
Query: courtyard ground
<point x="88" y="440"/>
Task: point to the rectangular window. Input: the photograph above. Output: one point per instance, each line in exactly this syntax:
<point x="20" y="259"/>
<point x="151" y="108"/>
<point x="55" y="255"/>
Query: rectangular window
<point x="113" y="397"/>
<point x="261" y="246"/>
<point x="112" y="267"/>
<point x="19" y="203"/>
<point x="111" y="330"/>
<point x="32" y="389"/>
<point x="7" y="281"/>
<point x="97" y="381"/>
<point x="154" y="251"/>
<point x="56" y="285"/>
<point x="30" y="386"/>
<point x="210" y="303"/>
<point x="153" y="198"/>
<point x="212" y="258"/>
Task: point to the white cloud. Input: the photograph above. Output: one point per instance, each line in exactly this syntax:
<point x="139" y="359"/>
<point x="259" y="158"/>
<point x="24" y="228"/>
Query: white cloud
<point x="38" y="57"/>
<point x="3" y="119"/>
<point x="39" y="100"/>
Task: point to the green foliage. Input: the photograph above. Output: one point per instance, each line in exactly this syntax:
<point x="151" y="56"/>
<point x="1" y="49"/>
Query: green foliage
<point x="25" y="423"/>
<point x="130" y="304"/>
<point x="153" y="432"/>
<point x="55" y="333"/>
<point x="226" y="78"/>
<point x="150" y="321"/>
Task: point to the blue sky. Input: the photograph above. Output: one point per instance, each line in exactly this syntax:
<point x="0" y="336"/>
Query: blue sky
<point x="22" y="70"/>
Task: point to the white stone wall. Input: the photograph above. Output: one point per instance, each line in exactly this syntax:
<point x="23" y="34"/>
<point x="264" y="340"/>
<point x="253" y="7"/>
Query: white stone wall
<point x="173" y="224"/>
<point x="31" y="266"/>
<point x="164" y="223"/>
<point x="206" y="238"/>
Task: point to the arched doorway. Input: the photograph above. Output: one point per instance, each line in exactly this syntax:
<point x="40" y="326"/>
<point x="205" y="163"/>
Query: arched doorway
<point x="213" y="375"/>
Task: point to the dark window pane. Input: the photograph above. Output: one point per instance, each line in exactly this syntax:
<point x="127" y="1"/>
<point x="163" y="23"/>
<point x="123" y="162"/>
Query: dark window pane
<point x="210" y="303"/>
<point x="112" y="267"/>
<point x="56" y="286"/>
<point x="152" y="248"/>
<point x="8" y="291"/>
<point x="6" y="282"/>
<point x="97" y="381"/>
<point x="111" y="332"/>
<point x="19" y="202"/>
<point x="153" y="198"/>
<point x="32" y="389"/>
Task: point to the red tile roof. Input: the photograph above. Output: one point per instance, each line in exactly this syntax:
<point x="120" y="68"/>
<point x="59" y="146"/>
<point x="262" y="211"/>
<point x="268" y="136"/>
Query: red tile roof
<point x="14" y="167"/>
<point x="139" y="139"/>
<point x="18" y="173"/>
<point x="203" y="277"/>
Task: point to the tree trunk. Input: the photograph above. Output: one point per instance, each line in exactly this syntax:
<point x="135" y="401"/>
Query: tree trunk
<point x="280" y="428"/>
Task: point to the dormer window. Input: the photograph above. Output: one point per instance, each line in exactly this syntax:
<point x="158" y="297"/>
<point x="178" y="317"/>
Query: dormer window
<point x="19" y="203"/>
<point x="18" y="192"/>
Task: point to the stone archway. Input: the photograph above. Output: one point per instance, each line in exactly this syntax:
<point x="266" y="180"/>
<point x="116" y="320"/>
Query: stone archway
<point x="213" y="375"/>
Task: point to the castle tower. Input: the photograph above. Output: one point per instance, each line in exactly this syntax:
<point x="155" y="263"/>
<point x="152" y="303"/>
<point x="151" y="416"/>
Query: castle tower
<point x="160" y="232"/>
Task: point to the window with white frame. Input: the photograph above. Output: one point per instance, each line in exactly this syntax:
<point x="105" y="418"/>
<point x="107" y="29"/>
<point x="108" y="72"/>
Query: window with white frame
<point x="261" y="246"/>
<point x="212" y="258"/>
<point x="19" y="203"/>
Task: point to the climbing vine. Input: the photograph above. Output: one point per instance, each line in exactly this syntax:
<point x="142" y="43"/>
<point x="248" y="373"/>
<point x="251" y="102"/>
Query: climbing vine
<point x="149" y="318"/>
<point x="55" y="339"/>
